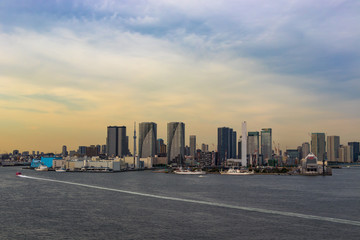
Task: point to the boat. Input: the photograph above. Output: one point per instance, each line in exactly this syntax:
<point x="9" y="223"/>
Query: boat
<point x="60" y="170"/>
<point x="42" y="168"/>
<point x="18" y="173"/>
<point x="233" y="171"/>
<point x="188" y="172"/>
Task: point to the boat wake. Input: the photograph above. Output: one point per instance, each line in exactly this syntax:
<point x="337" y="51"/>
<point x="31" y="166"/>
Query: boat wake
<point x="215" y="204"/>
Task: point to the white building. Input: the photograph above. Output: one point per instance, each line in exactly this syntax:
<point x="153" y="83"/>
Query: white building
<point x="244" y="142"/>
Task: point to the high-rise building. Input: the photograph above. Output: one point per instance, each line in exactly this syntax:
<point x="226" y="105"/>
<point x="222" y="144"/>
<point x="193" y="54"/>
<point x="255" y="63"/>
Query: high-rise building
<point x="25" y="153"/>
<point x="82" y="150"/>
<point x="64" y="151"/>
<point x="161" y="148"/>
<point x="253" y="148"/>
<point x="147" y="139"/>
<point x="345" y="154"/>
<point x="187" y="150"/>
<point x="333" y="144"/>
<point x="92" y="151"/>
<point x="318" y="145"/>
<point x="98" y="149"/>
<point x="160" y="142"/>
<point x="355" y="149"/>
<point x="244" y="141"/>
<point x="176" y="142"/>
<point x="233" y="144"/>
<point x="193" y="146"/>
<point x="103" y="149"/>
<point x="239" y="148"/>
<point x="305" y="149"/>
<point x="349" y="155"/>
<point x="293" y="156"/>
<point x="72" y="153"/>
<point x="226" y="143"/>
<point x="266" y="143"/>
<point x="299" y="149"/>
<point x="204" y="147"/>
<point x="117" y="141"/>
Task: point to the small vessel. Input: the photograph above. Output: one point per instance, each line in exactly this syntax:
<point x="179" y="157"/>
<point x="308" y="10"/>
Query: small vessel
<point x="188" y="172"/>
<point x="60" y="170"/>
<point x="18" y="173"/>
<point x="233" y="171"/>
<point x="42" y="168"/>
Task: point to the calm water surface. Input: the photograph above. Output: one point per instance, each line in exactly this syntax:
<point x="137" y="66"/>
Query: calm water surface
<point x="34" y="209"/>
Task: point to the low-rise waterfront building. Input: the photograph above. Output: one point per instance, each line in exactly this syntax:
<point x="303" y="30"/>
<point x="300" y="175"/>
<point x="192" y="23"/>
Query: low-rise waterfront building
<point x="47" y="161"/>
<point x="97" y="165"/>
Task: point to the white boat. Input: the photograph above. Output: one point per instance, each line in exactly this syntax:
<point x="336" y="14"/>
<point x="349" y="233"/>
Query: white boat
<point x="233" y="171"/>
<point x="188" y="172"/>
<point x="42" y="168"/>
<point x="60" y="170"/>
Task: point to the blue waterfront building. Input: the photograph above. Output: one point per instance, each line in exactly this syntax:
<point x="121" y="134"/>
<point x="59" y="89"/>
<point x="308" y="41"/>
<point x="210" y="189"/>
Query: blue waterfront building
<point x="47" y="161"/>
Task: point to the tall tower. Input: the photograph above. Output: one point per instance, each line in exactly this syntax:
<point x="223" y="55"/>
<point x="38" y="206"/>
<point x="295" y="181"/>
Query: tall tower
<point x="176" y="142"/>
<point x="305" y="149"/>
<point x="224" y="143"/>
<point x="111" y="141"/>
<point x="253" y="147"/>
<point x="147" y="139"/>
<point x="193" y="146"/>
<point x="116" y="141"/>
<point x="355" y="149"/>
<point x="244" y="141"/>
<point x="333" y="144"/>
<point x="266" y="143"/>
<point x="318" y="145"/>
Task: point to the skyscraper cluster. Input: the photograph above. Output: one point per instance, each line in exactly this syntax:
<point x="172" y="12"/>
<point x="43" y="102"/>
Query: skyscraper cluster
<point x="256" y="147"/>
<point x="249" y="145"/>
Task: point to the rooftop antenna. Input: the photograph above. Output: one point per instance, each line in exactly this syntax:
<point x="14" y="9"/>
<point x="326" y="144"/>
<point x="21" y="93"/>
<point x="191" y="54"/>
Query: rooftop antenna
<point x="134" y="142"/>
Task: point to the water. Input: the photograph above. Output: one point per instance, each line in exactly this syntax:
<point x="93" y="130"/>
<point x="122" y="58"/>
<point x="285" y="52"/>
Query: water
<point x="219" y="207"/>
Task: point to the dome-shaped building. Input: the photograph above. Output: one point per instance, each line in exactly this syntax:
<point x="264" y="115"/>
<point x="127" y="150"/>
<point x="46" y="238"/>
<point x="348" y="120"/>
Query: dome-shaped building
<point x="309" y="164"/>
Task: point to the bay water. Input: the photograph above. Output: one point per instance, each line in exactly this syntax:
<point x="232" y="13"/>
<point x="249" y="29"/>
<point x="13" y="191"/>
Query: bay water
<point x="147" y="205"/>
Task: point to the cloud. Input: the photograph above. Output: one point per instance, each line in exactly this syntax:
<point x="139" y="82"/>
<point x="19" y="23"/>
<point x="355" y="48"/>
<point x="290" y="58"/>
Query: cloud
<point x="32" y="110"/>
<point x="73" y="104"/>
<point x="217" y="62"/>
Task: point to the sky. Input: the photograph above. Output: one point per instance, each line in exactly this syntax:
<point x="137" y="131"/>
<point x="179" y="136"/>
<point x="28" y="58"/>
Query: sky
<point x="69" y="69"/>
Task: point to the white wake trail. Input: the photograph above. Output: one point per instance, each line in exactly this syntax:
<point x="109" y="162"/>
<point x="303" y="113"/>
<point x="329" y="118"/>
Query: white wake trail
<point x="259" y="210"/>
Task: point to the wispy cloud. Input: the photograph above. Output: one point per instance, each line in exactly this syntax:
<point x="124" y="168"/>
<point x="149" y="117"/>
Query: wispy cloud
<point x="73" y="104"/>
<point x="32" y="110"/>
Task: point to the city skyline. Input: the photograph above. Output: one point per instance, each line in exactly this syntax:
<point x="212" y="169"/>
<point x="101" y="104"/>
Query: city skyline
<point x="69" y="69"/>
<point x="187" y="143"/>
<point x="176" y="152"/>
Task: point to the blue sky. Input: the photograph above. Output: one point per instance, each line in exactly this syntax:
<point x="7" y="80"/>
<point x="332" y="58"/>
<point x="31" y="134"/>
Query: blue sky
<point x="283" y="64"/>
